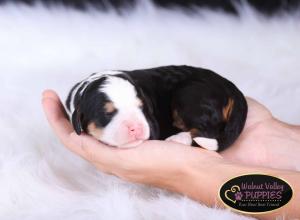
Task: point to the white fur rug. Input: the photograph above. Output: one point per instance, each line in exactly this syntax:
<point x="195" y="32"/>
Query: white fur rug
<point x="41" y="48"/>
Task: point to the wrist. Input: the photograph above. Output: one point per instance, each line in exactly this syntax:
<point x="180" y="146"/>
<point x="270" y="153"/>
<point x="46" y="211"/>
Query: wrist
<point x="201" y="181"/>
<point x="202" y="176"/>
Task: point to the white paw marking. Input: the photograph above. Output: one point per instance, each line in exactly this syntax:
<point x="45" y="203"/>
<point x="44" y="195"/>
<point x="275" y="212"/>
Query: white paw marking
<point x="207" y="143"/>
<point x="181" y="137"/>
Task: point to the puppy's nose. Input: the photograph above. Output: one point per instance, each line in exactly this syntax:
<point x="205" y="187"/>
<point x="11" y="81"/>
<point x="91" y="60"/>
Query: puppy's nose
<point x="135" y="130"/>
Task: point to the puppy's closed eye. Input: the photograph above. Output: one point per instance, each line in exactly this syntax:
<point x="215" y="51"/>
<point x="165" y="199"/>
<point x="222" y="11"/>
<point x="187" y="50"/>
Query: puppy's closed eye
<point x="109" y="110"/>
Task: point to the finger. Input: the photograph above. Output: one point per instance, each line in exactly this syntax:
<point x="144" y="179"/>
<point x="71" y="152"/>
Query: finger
<point x="49" y="93"/>
<point x="52" y="94"/>
<point x="55" y="114"/>
<point x="94" y="151"/>
<point x="256" y="113"/>
<point x="83" y="145"/>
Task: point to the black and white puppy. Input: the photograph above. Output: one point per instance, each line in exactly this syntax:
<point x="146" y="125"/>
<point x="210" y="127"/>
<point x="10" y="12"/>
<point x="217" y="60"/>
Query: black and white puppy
<point x="190" y="105"/>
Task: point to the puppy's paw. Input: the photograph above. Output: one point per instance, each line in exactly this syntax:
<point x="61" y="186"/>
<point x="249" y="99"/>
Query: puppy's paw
<point x="207" y="143"/>
<point x="182" y="138"/>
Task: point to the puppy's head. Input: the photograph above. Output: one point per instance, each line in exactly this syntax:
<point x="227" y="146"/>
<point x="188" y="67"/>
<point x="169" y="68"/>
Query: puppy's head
<point x="111" y="110"/>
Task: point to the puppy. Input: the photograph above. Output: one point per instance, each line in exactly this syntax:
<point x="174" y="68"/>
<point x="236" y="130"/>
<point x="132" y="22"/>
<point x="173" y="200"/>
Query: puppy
<point x="185" y="104"/>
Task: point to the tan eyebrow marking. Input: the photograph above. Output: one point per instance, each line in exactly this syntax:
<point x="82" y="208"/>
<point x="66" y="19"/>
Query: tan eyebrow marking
<point x="178" y="122"/>
<point x="194" y="132"/>
<point x="109" y="107"/>
<point x="94" y="130"/>
<point x="228" y="109"/>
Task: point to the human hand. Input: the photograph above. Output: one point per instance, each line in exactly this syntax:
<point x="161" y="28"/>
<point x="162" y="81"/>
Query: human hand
<point x="173" y="166"/>
<point x="266" y="141"/>
<point x="154" y="162"/>
<point x="158" y="163"/>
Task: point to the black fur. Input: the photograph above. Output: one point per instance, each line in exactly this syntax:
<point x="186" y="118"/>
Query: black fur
<point x="89" y="107"/>
<point x="198" y="95"/>
<point x="267" y="7"/>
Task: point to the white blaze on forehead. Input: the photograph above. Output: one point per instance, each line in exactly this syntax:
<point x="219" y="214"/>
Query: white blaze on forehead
<point x="124" y="97"/>
<point x="96" y="76"/>
<point x="87" y="81"/>
<point x="121" y="92"/>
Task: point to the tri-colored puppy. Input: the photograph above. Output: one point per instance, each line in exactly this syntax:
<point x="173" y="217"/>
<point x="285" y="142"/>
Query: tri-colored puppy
<point x="190" y="105"/>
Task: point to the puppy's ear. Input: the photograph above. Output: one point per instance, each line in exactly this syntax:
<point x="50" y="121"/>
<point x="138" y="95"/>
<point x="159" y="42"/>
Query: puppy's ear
<point x="76" y="121"/>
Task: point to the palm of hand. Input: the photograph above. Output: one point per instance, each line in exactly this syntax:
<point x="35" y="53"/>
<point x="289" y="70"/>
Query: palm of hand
<point x="265" y="141"/>
<point x="262" y="141"/>
<point x="141" y="164"/>
<point x="250" y="148"/>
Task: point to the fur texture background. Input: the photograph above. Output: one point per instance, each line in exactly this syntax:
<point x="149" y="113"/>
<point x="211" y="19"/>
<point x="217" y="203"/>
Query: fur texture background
<point x="54" y="48"/>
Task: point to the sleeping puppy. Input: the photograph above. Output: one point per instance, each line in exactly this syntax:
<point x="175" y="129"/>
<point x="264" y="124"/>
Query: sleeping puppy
<point x="185" y="104"/>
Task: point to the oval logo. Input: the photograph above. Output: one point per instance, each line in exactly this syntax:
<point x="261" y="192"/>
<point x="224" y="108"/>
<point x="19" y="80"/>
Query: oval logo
<point x="255" y="193"/>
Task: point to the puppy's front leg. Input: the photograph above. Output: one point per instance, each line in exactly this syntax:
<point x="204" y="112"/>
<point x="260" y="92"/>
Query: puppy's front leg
<point x="186" y="138"/>
<point x="182" y="138"/>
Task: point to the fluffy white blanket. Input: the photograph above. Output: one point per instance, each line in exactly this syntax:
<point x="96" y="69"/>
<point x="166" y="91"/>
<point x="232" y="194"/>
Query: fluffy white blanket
<point x="42" y="48"/>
